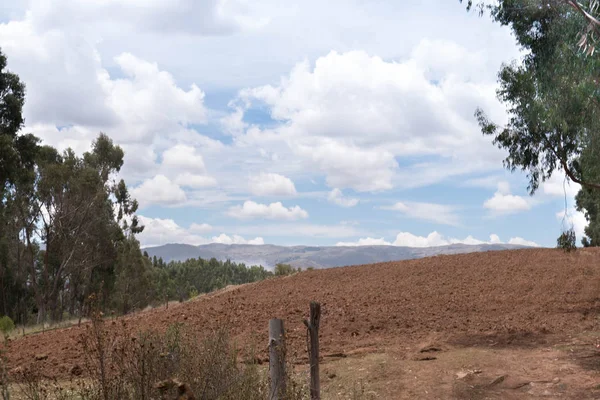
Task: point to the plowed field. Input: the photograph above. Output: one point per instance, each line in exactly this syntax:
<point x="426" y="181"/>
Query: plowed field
<point x="522" y="299"/>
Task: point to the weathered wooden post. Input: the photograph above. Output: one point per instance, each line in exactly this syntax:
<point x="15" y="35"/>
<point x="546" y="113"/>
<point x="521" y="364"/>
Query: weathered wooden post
<point x="277" y="359"/>
<point x="313" y="332"/>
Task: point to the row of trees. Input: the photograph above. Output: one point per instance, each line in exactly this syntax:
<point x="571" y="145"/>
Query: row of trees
<point x="68" y="229"/>
<point x="67" y="226"/>
<point x="181" y="280"/>
<point x="552" y="97"/>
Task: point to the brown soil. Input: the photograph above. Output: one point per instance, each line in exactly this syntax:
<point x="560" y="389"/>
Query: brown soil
<point x="500" y="310"/>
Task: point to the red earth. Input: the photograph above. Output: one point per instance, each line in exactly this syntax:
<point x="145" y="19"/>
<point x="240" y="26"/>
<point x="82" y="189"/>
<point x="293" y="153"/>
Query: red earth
<point x="517" y="297"/>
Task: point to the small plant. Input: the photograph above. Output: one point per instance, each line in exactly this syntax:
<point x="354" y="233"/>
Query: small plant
<point x="6" y="326"/>
<point x="567" y="241"/>
<point x="193" y="293"/>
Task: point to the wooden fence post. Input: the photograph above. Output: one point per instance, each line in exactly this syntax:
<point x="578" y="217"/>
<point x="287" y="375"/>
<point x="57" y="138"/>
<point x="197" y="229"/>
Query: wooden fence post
<point x="277" y="359"/>
<point x="313" y="332"/>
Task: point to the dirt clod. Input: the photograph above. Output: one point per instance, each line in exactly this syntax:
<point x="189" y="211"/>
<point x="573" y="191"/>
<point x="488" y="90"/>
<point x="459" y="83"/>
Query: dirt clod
<point x="76" y="370"/>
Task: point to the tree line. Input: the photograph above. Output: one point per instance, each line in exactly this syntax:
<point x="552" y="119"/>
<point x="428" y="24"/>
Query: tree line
<point x="68" y="229"/>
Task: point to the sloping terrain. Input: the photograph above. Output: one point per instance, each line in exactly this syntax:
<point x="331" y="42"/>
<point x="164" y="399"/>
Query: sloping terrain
<point x="312" y="256"/>
<point x="517" y="300"/>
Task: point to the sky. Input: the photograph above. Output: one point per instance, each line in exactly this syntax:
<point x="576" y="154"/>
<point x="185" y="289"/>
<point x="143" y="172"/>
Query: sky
<point x="299" y="122"/>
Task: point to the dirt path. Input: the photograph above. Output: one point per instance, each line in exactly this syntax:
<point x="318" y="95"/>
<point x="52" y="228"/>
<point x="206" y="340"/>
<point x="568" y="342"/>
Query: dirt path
<point x="508" y="305"/>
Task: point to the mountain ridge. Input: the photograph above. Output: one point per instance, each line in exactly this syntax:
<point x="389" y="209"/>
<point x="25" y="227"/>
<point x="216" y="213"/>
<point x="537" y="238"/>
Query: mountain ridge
<point x="268" y="255"/>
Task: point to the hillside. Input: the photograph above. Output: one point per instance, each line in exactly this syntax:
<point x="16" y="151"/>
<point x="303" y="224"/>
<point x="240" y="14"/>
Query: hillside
<point x="518" y="297"/>
<point x="312" y="256"/>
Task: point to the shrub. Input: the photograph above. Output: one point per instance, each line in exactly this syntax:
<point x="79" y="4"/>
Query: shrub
<point x="152" y="365"/>
<point x="285" y="269"/>
<point x="6" y="326"/>
<point x="567" y="240"/>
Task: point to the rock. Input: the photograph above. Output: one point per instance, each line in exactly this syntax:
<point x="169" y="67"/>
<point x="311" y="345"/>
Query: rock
<point x="430" y="349"/>
<point x="17" y="371"/>
<point x="556" y="380"/>
<point x="464" y="374"/>
<point x="424" y="358"/>
<point x="40" y="357"/>
<point x="76" y="370"/>
<point x="498" y="380"/>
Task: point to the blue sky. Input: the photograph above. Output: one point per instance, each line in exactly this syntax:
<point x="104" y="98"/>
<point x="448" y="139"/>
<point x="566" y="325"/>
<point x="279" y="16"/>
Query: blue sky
<point x="346" y="122"/>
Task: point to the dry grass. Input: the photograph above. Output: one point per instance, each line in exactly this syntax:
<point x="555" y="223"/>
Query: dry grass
<point x="25" y="330"/>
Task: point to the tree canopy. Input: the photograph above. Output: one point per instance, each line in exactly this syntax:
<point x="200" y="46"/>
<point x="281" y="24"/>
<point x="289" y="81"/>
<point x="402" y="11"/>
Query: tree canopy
<point x="552" y="96"/>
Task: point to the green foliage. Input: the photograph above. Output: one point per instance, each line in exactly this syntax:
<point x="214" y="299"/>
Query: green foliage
<point x="285" y="269"/>
<point x="59" y="238"/>
<point x="180" y="280"/>
<point x="552" y="96"/>
<point x="566" y="240"/>
<point x="6" y="325"/>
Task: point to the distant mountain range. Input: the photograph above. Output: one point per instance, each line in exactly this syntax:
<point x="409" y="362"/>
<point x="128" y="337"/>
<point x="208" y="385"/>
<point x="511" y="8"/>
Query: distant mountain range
<point x="311" y="256"/>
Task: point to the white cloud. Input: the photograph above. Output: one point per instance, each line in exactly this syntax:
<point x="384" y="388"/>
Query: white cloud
<point x="337" y="197"/>
<point x="366" y="242"/>
<point x="557" y="185"/>
<point x="522" y="242"/>
<point x="200" y="228"/>
<point x="194" y="181"/>
<point x="159" y="231"/>
<point x="158" y="190"/>
<point x="187" y="165"/>
<point x="270" y="184"/>
<point x="575" y="219"/>
<point x="251" y="209"/>
<point x="326" y="111"/>
<point x="410" y="240"/>
<point x="505" y="203"/>
<point x="184" y="158"/>
<point x="439" y="213"/>
<point x="434" y="239"/>
<point x="212" y="17"/>
<point x="494" y="239"/>
<point x="236" y="239"/>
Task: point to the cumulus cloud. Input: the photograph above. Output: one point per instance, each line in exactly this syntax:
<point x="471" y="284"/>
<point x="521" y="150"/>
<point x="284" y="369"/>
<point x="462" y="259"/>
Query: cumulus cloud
<point x="270" y="184"/>
<point x="558" y="186"/>
<point x="251" y="209"/>
<point x="434" y="239"/>
<point x="159" y="190"/>
<point x="326" y="109"/>
<point x="522" y="242"/>
<point x="439" y="213"/>
<point x="505" y="203"/>
<point x="195" y="181"/>
<point x="366" y="242"/>
<point x="337" y="197"/>
<point x="159" y="231"/>
<point x="183" y="157"/>
<point x="575" y="219"/>
<point x="212" y="17"/>
<point x="187" y="165"/>
<point x="236" y="239"/>
<point x="200" y="228"/>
